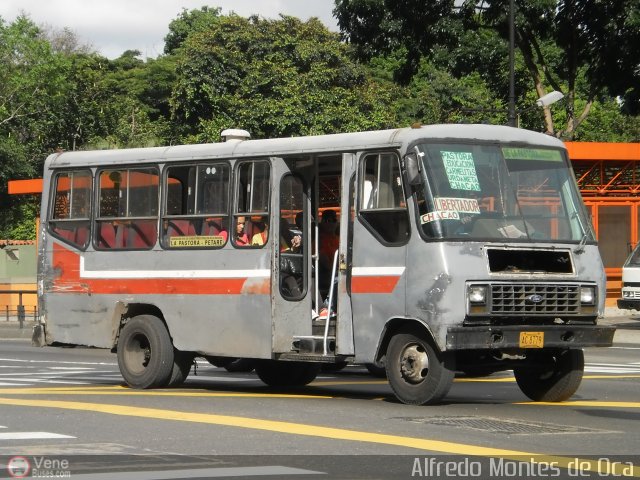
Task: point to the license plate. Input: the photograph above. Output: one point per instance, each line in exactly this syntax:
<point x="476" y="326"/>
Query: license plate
<point x="531" y="339"/>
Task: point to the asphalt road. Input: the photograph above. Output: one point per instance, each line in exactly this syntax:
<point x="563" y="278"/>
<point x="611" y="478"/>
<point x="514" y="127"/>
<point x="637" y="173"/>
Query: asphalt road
<point x="68" y="405"/>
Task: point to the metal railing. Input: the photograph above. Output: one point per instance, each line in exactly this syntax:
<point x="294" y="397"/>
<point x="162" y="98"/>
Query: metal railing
<point x="19" y="311"/>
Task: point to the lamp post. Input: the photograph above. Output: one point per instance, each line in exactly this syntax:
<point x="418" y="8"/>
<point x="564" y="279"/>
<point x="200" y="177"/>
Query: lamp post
<point x="544" y="101"/>
<point x="511" y="116"/>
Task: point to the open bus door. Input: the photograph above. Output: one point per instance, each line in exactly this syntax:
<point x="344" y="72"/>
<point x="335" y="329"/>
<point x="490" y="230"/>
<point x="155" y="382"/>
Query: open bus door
<point x="344" y="319"/>
<point x="380" y="233"/>
<point x="291" y="287"/>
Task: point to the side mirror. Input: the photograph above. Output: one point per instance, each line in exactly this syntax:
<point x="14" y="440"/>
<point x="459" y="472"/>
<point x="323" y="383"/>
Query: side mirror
<point x="412" y="169"/>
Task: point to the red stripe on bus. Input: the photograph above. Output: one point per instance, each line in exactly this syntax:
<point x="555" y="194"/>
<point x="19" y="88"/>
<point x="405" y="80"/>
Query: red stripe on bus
<point x="374" y="283"/>
<point x="66" y="264"/>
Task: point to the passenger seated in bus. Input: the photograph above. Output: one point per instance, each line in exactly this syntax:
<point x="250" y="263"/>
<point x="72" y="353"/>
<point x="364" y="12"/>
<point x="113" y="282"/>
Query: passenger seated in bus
<point x="260" y="238"/>
<point x="212" y="226"/>
<point x="290" y="265"/>
<point x="329" y="243"/>
<point x="241" y="238"/>
<point x="289" y="242"/>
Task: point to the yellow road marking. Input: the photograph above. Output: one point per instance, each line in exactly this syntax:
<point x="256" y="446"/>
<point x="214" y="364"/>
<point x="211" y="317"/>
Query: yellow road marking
<point x="347" y="382"/>
<point x="457" y="380"/>
<point x="585" y="403"/>
<point x="317" y="431"/>
<point x="152" y="393"/>
<point x="119" y="390"/>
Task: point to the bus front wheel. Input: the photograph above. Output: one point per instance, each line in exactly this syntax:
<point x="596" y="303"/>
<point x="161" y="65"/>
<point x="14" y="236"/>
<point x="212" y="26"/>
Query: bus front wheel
<point x="417" y="372"/>
<point x="553" y="376"/>
<point x="145" y="352"/>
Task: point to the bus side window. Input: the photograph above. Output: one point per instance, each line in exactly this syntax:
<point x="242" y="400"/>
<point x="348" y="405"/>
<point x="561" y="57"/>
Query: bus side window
<point x="251" y="205"/>
<point x="69" y="216"/>
<point x="128" y="209"/>
<point x="196" y="206"/>
<point x="382" y="206"/>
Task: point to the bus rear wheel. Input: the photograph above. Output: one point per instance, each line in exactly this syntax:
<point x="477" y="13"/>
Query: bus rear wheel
<point x="182" y="363"/>
<point x="145" y="352"/>
<point x="554" y="377"/>
<point x="286" y="374"/>
<point x="417" y="372"/>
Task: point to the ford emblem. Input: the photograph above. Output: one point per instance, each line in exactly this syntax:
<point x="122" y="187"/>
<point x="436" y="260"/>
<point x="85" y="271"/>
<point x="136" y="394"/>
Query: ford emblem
<point x="535" y="298"/>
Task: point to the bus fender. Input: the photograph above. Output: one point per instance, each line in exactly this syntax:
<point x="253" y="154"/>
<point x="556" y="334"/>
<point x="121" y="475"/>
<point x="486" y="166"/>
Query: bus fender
<point x="123" y="311"/>
<point x="395" y="325"/>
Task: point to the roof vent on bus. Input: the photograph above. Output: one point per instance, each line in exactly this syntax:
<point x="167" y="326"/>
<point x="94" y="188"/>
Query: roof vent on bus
<point x="234" y="134"/>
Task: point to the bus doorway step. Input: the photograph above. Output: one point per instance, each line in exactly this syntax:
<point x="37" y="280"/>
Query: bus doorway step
<point x="306" y="357"/>
<point x="314" y="344"/>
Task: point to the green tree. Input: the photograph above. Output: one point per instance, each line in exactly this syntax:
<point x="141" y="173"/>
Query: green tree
<point x="32" y="80"/>
<point x="584" y="48"/>
<point x="275" y="78"/>
<point x="15" y="219"/>
<point x="187" y="23"/>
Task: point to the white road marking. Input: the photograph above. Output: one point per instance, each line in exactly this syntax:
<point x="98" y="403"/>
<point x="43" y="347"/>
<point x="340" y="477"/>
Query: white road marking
<point x="57" y="362"/>
<point x="31" y="435"/>
<point x="221" y="472"/>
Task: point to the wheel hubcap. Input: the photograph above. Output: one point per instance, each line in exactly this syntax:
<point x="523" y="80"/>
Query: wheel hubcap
<point x="139" y="353"/>
<point x="414" y="364"/>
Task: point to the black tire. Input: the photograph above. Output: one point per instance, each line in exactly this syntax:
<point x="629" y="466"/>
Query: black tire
<point x="145" y="352"/>
<point x="240" y="365"/>
<point x="219" y="362"/>
<point x="477" y="372"/>
<point x="182" y="362"/>
<point x="417" y="372"/>
<point x="554" y="377"/>
<point x="377" y="369"/>
<point x="286" y="374"/>
<point x="332" y="367"/>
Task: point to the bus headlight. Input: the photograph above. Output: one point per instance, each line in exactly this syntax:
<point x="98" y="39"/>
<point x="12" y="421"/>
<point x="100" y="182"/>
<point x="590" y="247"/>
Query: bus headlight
<point x="587" y="295"/>
<point x="477" y="294"/>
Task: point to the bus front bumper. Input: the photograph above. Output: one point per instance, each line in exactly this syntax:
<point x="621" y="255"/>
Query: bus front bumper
<point x="502" y="337"/>
<point x="628" y="304"/>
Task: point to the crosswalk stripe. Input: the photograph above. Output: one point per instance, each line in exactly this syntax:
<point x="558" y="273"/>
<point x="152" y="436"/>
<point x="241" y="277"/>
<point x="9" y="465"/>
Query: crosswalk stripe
<point x="217" y="472"/>
<point x="31" y="435"/>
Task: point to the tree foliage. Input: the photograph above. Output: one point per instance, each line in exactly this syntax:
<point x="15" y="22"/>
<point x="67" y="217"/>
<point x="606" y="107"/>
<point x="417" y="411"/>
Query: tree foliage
<point x="275" y="78"/>
<point x="404" y="61"/>
<point x="584" y="48"/>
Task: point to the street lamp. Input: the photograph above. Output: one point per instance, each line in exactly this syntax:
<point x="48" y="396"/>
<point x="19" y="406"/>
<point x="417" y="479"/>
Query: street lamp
<point x="511" y="115"/>
<point x="549" y="99"/>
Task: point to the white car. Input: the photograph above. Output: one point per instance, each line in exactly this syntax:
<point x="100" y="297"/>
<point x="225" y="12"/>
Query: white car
<point x="631" y="281"/>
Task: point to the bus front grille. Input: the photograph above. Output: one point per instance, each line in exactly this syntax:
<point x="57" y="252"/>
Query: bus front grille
<point x="535" y="299"/>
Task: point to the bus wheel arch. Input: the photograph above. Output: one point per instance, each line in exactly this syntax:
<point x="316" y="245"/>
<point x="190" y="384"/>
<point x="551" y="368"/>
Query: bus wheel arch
<point x="393" y="326"/>
<point x="418" y="372"/>
<point x="123" y="312"/>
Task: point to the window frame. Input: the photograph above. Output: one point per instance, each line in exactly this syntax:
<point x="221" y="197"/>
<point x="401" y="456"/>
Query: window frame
<point x="165" y="217"/>
<point x="75" y="222"/>
<point x="124" y="221"/>
<point x="303" y="255"/>
<point x="249" y="216"/>
<point x="363" y="213"/>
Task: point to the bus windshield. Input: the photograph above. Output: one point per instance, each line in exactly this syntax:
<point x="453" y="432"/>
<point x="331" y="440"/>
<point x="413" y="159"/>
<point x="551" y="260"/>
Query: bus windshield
<point x="499" y="192"/>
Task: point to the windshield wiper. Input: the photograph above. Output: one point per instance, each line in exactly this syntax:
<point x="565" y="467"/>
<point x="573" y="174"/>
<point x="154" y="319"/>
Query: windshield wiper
<point x="580" y="248"/>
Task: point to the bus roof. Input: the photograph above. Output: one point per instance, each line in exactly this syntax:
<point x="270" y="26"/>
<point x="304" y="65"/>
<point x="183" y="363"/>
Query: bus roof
<point x="318" y="144"/>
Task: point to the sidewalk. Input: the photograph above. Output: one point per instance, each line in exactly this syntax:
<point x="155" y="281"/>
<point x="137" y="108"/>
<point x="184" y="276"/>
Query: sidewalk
<point x="627" y="323"/>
